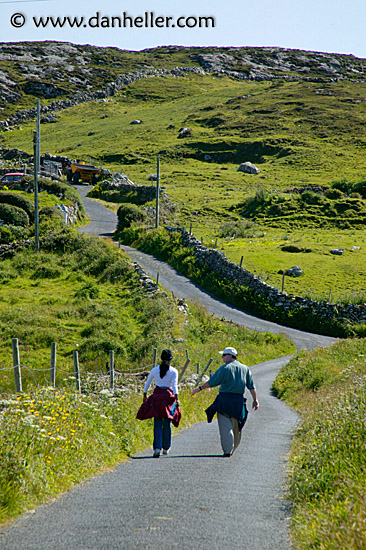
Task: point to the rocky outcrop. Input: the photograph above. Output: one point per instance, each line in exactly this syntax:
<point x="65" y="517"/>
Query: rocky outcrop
<point x="43" y="68"/>
<point x="218" y="263"/>
<point x="270" y="63"/>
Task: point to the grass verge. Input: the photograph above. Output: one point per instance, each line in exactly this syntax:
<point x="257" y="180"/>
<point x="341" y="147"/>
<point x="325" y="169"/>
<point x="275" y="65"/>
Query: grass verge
<point x="53" y="439"/>
<point x="327" y="476"/>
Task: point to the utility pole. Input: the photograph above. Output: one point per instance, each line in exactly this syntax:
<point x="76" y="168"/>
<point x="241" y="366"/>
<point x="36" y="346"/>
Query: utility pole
<point x="157" y="192"/>
<point x="36" y="157"/>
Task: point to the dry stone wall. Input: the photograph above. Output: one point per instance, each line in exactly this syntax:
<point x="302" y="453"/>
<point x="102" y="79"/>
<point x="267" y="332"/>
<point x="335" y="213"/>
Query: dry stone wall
<point x="218" y="262"/>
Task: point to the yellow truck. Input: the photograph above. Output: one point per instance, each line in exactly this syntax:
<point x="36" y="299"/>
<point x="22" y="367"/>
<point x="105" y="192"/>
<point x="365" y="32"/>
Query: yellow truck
<point x="80" y="171"/>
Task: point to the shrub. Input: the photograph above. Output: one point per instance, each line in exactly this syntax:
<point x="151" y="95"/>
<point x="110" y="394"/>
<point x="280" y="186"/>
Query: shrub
<point x="46" y="272"/>
<point x="333" y="194"/>
<point x="66" y="240"/>
<point x="343" y="185"/>
<point x="237" y="229"/>
<point x="129" y="214"/>
<point x="309" y="197"/>
<point x="360" y="188"/>
<point x="17" y="200"/>
<point x="51" y="212"/>
<point x="11" y="233"/>
<point x="13" y="215"/>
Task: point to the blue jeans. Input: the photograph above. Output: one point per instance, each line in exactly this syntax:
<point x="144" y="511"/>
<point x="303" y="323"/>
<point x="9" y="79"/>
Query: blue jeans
<point x="162" y="433"/>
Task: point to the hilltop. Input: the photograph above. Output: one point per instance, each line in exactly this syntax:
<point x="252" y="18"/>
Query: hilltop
<point x="59" y="69"/>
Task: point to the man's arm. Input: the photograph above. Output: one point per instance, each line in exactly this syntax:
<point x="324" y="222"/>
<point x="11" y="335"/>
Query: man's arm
<point x="255" y="403"/>
<point x="204" y="386"/>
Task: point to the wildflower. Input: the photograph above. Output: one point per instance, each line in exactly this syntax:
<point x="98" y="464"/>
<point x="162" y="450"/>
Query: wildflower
<point x="29" y="419"/>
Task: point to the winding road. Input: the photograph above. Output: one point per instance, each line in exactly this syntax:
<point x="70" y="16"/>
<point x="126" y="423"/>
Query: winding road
<point x="193" y="498"/>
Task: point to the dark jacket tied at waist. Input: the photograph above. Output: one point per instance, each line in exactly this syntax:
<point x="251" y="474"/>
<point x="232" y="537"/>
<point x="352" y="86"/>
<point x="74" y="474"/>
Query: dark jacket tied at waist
<point x="229" y="404"/>
<point x="158" y="405"/>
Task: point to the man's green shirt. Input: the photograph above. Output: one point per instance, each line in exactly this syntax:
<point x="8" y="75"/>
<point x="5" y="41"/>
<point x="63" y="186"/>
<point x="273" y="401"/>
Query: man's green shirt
<point x="232" y="377"/>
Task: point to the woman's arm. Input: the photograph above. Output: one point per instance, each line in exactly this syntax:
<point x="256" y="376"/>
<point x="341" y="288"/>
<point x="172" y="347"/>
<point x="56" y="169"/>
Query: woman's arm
<point x="148" y="383"/>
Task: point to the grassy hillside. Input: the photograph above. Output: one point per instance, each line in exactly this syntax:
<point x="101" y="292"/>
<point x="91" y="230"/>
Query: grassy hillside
<point x="298" y="133"/>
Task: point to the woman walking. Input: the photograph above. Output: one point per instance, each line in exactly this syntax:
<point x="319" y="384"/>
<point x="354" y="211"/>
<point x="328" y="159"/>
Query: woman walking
<point x="163" y="404"/>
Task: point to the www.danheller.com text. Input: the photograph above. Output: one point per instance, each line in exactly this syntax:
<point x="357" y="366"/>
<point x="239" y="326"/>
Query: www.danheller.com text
<point x="147" y="20"/>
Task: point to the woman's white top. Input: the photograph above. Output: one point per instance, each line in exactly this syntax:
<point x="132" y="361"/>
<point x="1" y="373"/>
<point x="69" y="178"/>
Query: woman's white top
<point x="170" y="380"/>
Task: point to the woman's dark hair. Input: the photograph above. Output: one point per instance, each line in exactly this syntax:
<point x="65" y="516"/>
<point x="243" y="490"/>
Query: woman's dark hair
<point x="166" y="357"/>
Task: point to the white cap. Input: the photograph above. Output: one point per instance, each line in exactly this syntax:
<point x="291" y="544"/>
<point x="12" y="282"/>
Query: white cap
<point x="231" y="351"/>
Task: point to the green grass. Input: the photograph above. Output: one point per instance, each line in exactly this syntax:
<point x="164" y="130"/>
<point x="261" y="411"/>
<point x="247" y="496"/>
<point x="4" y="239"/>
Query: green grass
<point x="264" y="255"/>
<point x="328" y="462"/>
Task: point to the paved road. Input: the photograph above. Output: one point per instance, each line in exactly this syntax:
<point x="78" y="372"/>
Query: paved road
<point x="104" y="222"/>
<point x="193" y="498"/>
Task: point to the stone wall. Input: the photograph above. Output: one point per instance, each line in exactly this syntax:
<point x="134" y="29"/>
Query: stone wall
<point x="218" y="263"/>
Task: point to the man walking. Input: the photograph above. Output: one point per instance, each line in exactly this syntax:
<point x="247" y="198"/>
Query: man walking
<point x="232" y="377"/>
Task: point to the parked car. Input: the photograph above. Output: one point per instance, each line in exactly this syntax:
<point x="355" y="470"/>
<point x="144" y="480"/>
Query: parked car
<point x="11" y="177"/>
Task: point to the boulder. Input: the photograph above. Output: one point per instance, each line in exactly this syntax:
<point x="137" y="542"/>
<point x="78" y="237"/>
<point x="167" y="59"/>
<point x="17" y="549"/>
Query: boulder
<point x="337" y="251"/>
<point x="294" y="271"/>
<point x="184" y="132"/>
<point x="248" y="168"/>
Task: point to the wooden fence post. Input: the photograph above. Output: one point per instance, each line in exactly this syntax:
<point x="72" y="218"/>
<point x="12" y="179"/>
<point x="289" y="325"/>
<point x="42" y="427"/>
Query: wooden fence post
<point x="241" y="261"/>
<point x="190" y="229"/>
<point x="330" y="295"/>
<point x="16" y="365"/>
<point x="111" y="370"/>
<point x="203" y="372"/>
<point x="53" y="365"/>
<point x="76" y="369"/>
<point x="157" y="280"/>
<point x="184" y="367"/>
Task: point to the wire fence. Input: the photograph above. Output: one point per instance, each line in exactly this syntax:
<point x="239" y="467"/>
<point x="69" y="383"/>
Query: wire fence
<point x="111" y="371"/>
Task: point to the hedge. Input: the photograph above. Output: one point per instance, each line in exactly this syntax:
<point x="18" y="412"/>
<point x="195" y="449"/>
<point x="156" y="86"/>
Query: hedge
<point x="10" y="214"/>
<point x="17" y="200"/>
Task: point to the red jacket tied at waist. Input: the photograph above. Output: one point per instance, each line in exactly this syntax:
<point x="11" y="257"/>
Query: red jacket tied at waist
<point x="159" y="405"/>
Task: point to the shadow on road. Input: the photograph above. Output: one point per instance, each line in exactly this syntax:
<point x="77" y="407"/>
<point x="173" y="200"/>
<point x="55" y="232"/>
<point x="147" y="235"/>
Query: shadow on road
<point x="176" y="456"/>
